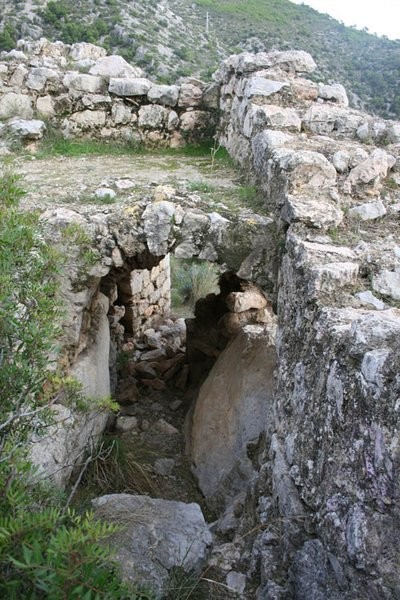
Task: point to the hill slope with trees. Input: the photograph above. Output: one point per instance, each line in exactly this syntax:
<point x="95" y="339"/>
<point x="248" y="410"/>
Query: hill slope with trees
<point x="173" y="38"/>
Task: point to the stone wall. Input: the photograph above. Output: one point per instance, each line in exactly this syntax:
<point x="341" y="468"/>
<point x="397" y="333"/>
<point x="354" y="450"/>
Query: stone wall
<point x="82" y="92"/>
<point x="326" y="501"/>
<point x="146" y="296"/>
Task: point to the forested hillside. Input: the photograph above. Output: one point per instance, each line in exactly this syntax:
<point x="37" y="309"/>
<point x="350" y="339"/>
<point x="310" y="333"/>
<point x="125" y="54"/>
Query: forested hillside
<point x="173" y="38"/>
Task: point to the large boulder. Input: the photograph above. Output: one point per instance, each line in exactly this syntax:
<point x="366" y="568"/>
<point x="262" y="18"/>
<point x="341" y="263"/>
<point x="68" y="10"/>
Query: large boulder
<point x="156" y="535"/>
<point x="233" y="407"/>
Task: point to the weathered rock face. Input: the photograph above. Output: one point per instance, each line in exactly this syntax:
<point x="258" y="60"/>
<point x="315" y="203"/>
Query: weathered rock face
<point x="233" y="407"/>
<point x="66" y="443"/>
<point x="157" y="535"/>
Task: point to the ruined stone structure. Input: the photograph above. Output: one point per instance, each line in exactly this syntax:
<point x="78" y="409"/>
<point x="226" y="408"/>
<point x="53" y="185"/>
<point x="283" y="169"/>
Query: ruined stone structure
<point x="307" y="473"/>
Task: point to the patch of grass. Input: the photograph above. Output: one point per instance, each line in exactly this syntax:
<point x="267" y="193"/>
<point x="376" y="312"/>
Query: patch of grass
<point x="58" y="146"/>
<point x="106" y="199"/>
<point x="201" y="186"/>
<point x="191" y="586"/>
<point x="120" y="467"/>
<point x="191" y="280"/>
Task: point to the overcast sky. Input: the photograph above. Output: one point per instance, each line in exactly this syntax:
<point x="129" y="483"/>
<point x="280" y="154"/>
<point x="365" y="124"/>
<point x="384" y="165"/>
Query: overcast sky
<point x="380" y="16"/>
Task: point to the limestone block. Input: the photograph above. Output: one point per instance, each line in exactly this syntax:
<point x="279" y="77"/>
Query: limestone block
<point x="194" y="120"/>
<point x="173" y="120"/>
<point x="305" y="170"/>
<point x="263" y="88"/>
<point x="95" y="100"/>
<point x="341" y="161"/>
<point x="89" y="119"/>
<point x="92" y="366"/>
<point x="18" y="77"/>
<point x="374" y="330"/>
<point x="190" y="95"/>
<point x="369" y="299"/>
<point x="292" y="61"/>
<point x="317" y="212"/>
<point x="372" y="169"/>
<point x="240" y="301"/>
<point x="82" y="82"/>
<point x="45" y="106"/>
<point x="157" y="536"/>
<point x="82" y="50"/>
<point x="136" y="282"/>
<point x="304" y="89"/>
<point x="270" y="116"/>
<point x="387" y="283"/>
<point x="324" y="119"/>
<point x="37" y="78"/>
<point x="153" y="116"/>
<point x="394" y="133"/>
<point x="125" y="423"/>
<point x="56" y="452"/>
<point x="369" y="211"/>
<point x="129" y="86"/>
<point x="211" y="96"/>
<point x="27" y="129"/>
<point x="121" y="114"/>
<point x="164" y="94"/>
<point x="114" y="66"/>
<point x="332" y="276"/>
<point x="16" y="55"/>
<point x="15" y="105"/>
<point x="157" y="223"/>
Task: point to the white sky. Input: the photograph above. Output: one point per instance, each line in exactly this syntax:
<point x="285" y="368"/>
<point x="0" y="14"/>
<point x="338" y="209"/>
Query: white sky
<point x="380" y="16"/>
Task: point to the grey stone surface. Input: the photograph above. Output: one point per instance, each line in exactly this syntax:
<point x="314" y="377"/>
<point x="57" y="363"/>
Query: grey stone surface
<point x="129" y="86"/>
<point x="27" y="130"/>
<point x="369" y="211"/>
<point x="114" y="66"/>
<point x="156" y="536"/>
<point x="232" y="409"/>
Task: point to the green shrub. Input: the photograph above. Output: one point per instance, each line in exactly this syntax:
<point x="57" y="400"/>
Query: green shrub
<point x="46" y="550"/>
<point x="8" y="37"/>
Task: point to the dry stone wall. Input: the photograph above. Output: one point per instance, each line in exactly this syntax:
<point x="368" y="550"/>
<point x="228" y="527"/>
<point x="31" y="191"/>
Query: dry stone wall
<point x="82" y="92"/>
<point x="146" y="296"/>
<point x="327" y="497"/>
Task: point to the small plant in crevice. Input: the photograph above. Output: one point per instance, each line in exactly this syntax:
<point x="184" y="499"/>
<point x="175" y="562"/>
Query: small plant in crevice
<point x="75" y="236"/>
